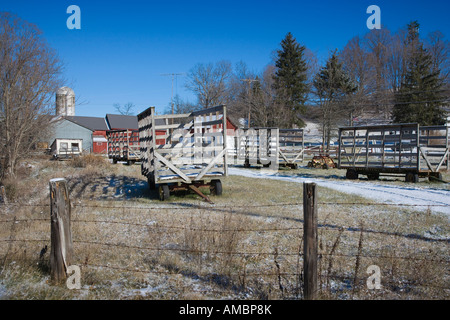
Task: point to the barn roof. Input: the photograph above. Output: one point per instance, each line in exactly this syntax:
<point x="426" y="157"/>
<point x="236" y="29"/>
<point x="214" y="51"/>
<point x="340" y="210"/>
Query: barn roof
<point x="119" y="121"/>
<point x="92" y="123"/>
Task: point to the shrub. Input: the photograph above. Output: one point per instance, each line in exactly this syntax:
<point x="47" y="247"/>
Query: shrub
<point x="88" y="160"/>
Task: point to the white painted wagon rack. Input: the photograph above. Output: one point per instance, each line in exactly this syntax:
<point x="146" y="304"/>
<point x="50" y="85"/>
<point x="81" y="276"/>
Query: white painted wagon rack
<point x="258" y="145"/>
<point x="184" y="151"/>
<point x="406" y="149"/>
<point x="291" y="147"/>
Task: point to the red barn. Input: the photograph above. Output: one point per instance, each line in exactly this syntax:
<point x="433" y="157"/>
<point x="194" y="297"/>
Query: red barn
<point x="98" y="127"/>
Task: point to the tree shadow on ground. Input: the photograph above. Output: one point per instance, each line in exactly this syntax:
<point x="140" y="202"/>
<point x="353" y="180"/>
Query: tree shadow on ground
<point x="110" y="188"/>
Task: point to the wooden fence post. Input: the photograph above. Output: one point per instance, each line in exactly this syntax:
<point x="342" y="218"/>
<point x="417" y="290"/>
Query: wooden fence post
<point x="61" y="234"/>
<point x="310" y="241"/>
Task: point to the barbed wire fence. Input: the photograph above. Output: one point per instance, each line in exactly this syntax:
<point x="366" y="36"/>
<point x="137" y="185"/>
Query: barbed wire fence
<point x="252" y="255"/>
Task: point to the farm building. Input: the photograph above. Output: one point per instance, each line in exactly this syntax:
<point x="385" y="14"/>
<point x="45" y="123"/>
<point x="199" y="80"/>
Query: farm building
<point x="65" y="102"/>
<point x="91" y="130"/>
<point x="98" y="127"/>
<point x="66" y="148"/>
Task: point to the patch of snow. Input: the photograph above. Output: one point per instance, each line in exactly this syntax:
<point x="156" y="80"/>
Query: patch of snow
<point x="410" y="195"/>
<point x="312" y="130"/>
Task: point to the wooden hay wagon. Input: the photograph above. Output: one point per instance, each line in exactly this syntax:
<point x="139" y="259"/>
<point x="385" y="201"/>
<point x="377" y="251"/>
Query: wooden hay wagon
<point x="258" y="146"/>
<point x="184" y="151"/>
<point x="397" y="149"/>
<point x="291" y="147"/>
<point x="123" y="145"/>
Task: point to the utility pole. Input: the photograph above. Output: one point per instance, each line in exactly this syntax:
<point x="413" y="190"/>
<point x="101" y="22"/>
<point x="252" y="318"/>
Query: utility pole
<point x="173" y="75"/>
<point x="249" y="81"/>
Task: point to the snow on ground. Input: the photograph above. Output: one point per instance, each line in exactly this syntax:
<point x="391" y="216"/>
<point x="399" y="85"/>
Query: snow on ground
<point x="407" y="195"/>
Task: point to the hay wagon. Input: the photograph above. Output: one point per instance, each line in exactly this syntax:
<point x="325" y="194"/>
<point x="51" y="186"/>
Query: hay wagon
<point x="184" y="151"/>
<point x="291" y="147"/>
<point x="123" y="145"/>
<point x="399" y="149"/>
<point x="258" y="146"/>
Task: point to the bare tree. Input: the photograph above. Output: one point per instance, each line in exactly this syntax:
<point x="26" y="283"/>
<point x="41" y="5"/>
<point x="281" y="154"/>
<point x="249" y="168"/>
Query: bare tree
<point x="439" y="48"/>
<point x="181" y="106"/>
<point x="240" y="91"/>
<point x="267" y="102"/>
<point x="354" y="58"/>
<point x="29" y="77"/>
<point x="126" y="109"/>
<point x="209" y="82"/>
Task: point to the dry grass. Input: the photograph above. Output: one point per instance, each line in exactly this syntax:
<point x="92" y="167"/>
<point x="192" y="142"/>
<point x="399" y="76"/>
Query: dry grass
<point x="246" y="245"/>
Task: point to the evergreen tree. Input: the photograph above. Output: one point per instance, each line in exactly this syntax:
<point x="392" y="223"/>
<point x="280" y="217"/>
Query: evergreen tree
<point x="290" y="79"/>
<point x="419" y="99"/>
<point x="332" y="87"/>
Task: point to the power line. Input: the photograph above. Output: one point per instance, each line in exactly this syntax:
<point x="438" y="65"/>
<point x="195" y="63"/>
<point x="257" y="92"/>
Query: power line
<point x="249" y="82"/>
<point x="173" y="75"/>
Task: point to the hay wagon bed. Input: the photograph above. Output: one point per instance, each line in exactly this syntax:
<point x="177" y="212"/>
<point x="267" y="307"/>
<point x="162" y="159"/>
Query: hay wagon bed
<point x="399" y="149"/>
<point x="271" y="147"/>
<point x="123" y="145"/>
<point x="291" y="147"/>
<point x="258" y="146"/>
<point x="184" y="151"/>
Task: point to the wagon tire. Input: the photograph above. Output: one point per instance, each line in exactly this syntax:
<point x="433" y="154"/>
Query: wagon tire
<point x="412" y="177"/>
<point x="164" y="192"/>
<point x="216" y="187"/>
<point x="151" y="182"/>
<point x="373" y="176"/>
<point x="351" y="174"/>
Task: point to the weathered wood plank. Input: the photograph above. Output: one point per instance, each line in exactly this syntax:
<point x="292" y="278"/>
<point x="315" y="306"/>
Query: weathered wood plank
<point x="61" y="252"/>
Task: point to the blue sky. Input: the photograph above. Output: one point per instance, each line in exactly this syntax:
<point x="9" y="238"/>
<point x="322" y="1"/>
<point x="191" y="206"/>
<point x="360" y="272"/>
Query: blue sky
<point x="124" y="47"/>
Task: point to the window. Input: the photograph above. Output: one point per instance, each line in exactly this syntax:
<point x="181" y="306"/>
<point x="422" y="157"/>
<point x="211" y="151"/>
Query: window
<point x="75" y="147"/>
<point x="64" y="146"/>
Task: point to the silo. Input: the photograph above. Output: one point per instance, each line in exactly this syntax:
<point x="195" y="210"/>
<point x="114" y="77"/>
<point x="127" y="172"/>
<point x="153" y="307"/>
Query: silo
<point x="65" y="102"/>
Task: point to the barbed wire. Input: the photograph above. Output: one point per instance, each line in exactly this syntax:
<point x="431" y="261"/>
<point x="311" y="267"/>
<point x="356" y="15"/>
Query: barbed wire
<point x="201" y="207"/>
<point x="236" y="253"/>
<point x="321" y="225"/>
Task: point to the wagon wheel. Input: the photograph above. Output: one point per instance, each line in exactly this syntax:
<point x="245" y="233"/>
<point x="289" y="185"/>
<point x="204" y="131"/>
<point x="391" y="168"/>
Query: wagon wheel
<point x="216" y="187"/>
<point x="412" y="177"/>
<point x="151" y="182"/>
<point x="351" y="174"/>
<point x="373" y="176"/>
<point x="164" y="192"/>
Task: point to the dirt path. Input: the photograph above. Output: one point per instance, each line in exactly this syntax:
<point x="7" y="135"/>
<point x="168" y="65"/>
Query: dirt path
<point x="439" y="199"/>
